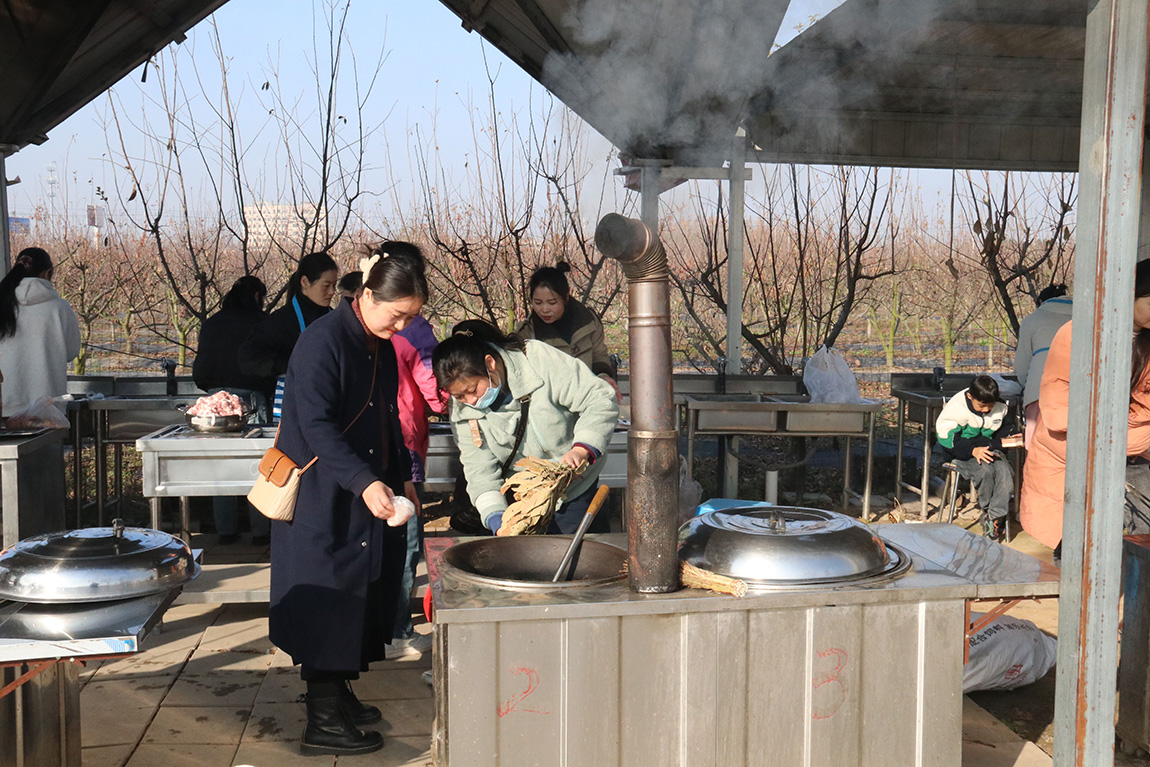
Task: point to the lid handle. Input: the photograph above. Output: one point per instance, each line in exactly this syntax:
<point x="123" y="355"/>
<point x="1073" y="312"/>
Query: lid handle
<point x="777" y="523"/>
<point x="117" y="528"/>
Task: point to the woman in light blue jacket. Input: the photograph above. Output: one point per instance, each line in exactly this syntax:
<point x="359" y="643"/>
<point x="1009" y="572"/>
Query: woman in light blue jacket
<point x="571" y="415"/>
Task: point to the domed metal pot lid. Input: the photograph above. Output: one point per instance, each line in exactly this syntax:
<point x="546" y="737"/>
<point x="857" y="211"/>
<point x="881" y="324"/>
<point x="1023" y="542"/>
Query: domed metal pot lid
<point x="94" y="564"/>
<point x="786" y="547"/>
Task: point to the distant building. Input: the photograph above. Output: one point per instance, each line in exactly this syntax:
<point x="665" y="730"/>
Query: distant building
<point x="272" y="225"/>
<point x="17" y="225"/>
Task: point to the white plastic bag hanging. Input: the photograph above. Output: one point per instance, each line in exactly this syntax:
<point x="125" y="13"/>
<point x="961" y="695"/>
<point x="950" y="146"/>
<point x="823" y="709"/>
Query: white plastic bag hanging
<point x="828" y="378"/>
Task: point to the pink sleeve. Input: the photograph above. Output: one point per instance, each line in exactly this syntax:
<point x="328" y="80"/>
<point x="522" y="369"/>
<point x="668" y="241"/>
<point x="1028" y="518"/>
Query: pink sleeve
<point x="409" y="358"/>
<point x="428" y="386"/>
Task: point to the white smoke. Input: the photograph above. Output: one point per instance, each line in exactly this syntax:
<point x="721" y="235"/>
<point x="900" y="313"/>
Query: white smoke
<point x="656" y="75"/>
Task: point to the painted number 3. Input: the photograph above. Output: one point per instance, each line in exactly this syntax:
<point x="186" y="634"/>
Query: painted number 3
<point x="516" y="701"/>
<point x="829" y="693"/>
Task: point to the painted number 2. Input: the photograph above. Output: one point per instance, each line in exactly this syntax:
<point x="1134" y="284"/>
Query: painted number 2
<point x="829" y="692"/>
<point x="515" y="702"/>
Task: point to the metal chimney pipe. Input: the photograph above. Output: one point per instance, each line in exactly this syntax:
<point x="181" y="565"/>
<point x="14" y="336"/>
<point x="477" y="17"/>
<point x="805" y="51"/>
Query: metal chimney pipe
<point x="653" y="442"/>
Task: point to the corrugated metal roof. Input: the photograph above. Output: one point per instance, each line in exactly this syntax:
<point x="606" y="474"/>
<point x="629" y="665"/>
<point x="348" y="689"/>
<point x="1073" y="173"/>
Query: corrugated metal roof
<point x="57" y="55"/>
<point x="950" y="83"/>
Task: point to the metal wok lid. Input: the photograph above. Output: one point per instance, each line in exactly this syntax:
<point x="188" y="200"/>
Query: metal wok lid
<point x="786" y="547"/>
<point x="94" y="564"/>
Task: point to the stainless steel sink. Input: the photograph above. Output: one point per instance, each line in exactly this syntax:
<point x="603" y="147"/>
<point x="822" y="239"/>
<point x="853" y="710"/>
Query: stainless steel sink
<point x="804" y="416"/>
<point x="733" y="414"/>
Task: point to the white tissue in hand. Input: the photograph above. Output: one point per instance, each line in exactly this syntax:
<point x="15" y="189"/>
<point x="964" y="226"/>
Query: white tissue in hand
<point x="404" y="509"/>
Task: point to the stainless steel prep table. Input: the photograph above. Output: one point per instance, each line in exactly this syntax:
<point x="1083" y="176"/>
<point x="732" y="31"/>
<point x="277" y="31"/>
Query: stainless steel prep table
<point x="181" y="463"/>
<point x="40" y="646"/>
<point x="605" y="677"/>
<point x="783" y="416"/>
<point x="116" y="411"/>
<point x="31" y="484"/>
<point x="923" y="406"/>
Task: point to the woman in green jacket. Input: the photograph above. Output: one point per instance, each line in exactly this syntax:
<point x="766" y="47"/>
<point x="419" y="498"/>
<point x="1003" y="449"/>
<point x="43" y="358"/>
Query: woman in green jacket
<point x="571" y="415"/>
<point x="565" y="323"/>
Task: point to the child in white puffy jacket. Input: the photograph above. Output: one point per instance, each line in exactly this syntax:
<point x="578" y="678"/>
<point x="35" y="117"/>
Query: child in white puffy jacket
<point x="970" y="429"/>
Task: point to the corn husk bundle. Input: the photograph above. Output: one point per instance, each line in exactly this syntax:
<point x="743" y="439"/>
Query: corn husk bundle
<point x="698" y="578"/>
<point x="538" y="487"/>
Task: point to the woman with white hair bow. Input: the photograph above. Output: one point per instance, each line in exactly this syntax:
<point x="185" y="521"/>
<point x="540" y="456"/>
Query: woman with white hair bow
<point x="336" y="565"/>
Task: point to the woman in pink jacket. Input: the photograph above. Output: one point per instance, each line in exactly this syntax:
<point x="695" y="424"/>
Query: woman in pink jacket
<point x="1044" y="477"/>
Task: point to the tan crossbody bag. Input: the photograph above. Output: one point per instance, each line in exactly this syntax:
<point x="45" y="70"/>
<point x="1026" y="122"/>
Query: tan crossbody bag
<point x="277" y="485"/>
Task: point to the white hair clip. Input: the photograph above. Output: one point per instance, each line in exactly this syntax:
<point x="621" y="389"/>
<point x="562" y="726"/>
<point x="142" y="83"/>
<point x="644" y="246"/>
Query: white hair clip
<point x="366" y="264"/>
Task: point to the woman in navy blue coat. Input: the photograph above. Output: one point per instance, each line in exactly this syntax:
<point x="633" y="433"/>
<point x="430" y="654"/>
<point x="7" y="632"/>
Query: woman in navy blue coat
<point x="337" y="565"/>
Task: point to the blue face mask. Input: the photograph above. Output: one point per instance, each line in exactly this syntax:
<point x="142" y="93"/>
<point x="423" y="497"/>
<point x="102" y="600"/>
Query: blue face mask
<point x="489" y="396"/>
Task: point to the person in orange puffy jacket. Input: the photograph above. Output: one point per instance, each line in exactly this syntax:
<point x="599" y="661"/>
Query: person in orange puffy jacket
<point x="1044" y="477"/>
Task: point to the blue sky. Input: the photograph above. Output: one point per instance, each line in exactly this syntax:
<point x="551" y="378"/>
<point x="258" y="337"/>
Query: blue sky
<point x="434" y="69"/>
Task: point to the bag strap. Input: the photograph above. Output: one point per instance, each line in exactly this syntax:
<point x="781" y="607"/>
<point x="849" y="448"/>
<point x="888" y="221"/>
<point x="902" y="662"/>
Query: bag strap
<point x="370" y="394"/>
<point x="520" y="429"/>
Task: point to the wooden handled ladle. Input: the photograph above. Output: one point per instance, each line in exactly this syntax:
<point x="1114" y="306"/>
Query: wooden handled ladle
<point x="596" y="502"/>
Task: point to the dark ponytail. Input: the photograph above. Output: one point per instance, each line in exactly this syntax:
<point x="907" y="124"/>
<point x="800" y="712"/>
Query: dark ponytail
<point x="312" y="266"/>
<point x="1140" y="357"/>
<point x="398" y="273"/>
<point x="553" y="278"/>
<point x="32" y="262"/>
<point x="1052" y="291"/>
<point x="247" y="294"/>
<point x="463" y="354"/>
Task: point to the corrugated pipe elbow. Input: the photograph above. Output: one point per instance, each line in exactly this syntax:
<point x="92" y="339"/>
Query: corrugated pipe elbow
<point x="631" y="243"/>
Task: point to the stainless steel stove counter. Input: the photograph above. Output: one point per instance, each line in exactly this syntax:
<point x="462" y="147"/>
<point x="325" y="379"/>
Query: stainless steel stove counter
<point x="32" y="483"/>
<point x="33" y="632"/>
<point x="606" y="677"/>
<point x="40" y="708"/>
<point x="180" y="462"/>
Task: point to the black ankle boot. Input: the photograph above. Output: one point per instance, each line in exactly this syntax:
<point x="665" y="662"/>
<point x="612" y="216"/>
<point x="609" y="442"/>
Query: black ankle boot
<point x="330" y="731"/>
<point x="360" y="713"/>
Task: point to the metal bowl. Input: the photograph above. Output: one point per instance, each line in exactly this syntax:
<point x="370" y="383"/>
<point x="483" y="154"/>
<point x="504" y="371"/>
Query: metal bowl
<point x="527" y="563"/>
<point x="94" y="564"/>
<point x="216" y="423"/>
<point x="786" y="547"/>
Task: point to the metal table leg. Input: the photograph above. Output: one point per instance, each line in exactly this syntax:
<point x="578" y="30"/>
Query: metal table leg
<point x="156" y="505"/>
<point x="186" y="519"/>
<point x="690" y="443"/>
<point x="869" y="468"/>
<point x="730" y="466"/>
<point x="898" y="452"/>
<point x="118" y="470"/>
<point x="78" y="464"/>
<point x="926" y="446"/>
<point x="10" y="504"/>
<point x="847" y="478"/>
<point x="101" y="467"/>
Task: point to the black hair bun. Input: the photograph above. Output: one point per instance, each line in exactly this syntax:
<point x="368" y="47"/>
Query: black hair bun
<point x="563" y="267"/>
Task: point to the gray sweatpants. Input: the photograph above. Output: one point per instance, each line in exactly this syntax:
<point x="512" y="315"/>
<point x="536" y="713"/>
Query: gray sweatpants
<point x="994" y="483"/>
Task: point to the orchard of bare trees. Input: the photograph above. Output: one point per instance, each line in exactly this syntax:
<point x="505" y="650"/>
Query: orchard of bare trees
<point x="850" y="257"/>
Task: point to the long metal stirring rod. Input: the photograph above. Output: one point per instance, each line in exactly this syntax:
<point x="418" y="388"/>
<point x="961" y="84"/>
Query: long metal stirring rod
<point x="596" y="502"/>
